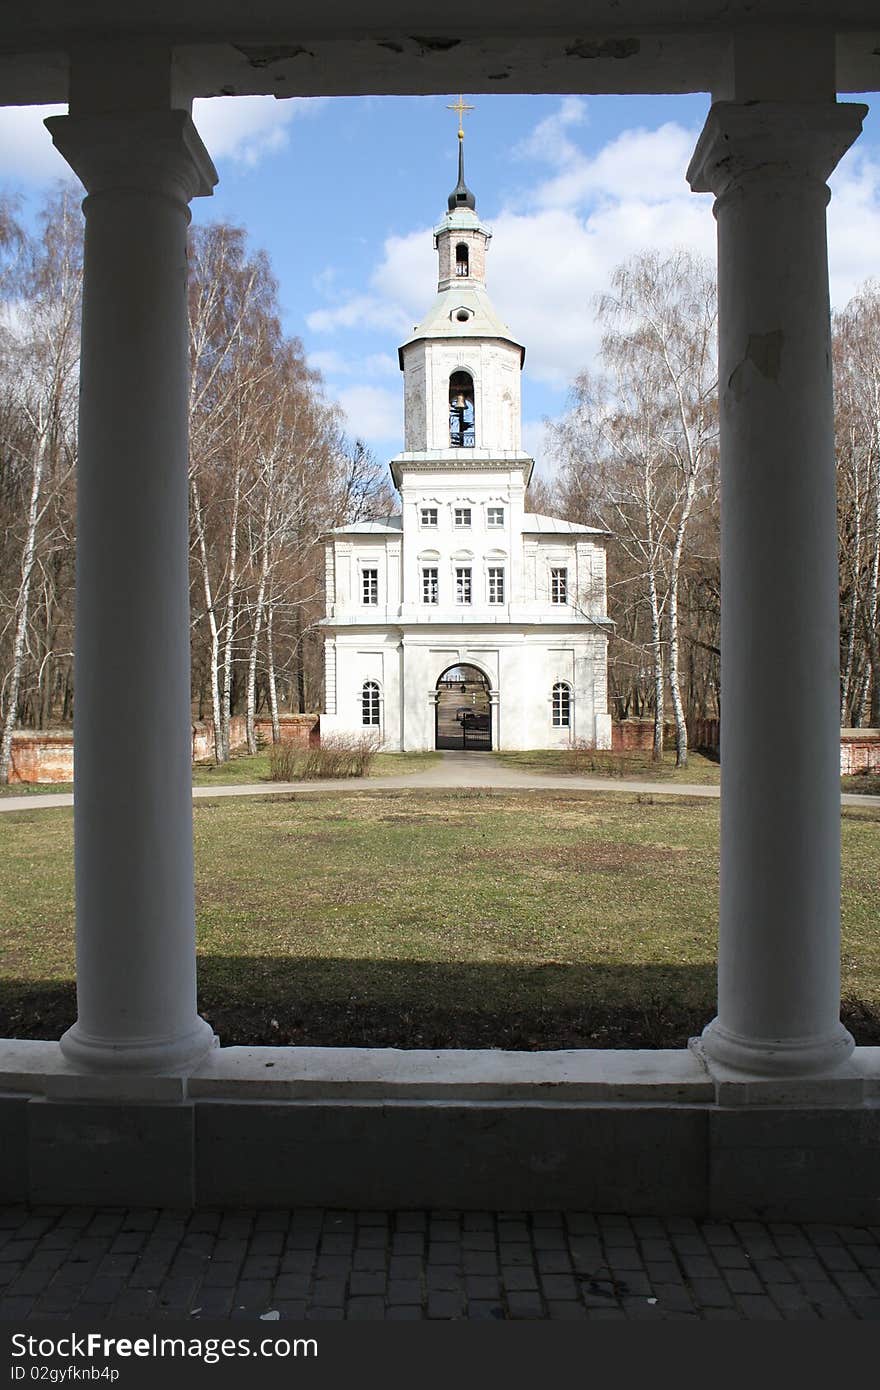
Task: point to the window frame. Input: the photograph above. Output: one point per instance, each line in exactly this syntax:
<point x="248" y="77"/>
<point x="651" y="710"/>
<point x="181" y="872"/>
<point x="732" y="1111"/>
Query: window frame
<point x="433" y="570"/>
<point x="429" y="511"/>
<point x="561" y="701"/>
<point x="371" y="691"/>
<point x="495" y="575"/>
<point x="559" y="586"/>
<point x="369" y="577"/>
<point x="460" y="572"/>
<point x="462" y="525"/>
<point x="494" y="525"/>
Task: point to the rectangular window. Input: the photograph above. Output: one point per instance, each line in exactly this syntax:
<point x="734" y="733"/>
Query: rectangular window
<point x="370" y="582"/>
<point x="430" y="585"/>
<point x="496" y="585"/>
<point x="494" y="517"/>
<point x="559" y="585"/>
<point x="429" y="516"/>
<point x="463" y="585"/>
<point x="462" y="516"/>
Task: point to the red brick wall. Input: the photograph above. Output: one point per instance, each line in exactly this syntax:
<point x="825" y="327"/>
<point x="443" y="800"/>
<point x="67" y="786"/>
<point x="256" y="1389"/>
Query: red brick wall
<point x="46" y="757"/>
<point x="859" y="751"/>
<point x="629" y="735"/>
<point x="203" y="736"/>
<point x="705" y="735"/>
<point x="302" y="729"/>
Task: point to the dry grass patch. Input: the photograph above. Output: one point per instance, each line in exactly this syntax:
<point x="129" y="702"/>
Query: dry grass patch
<point x="448" y="918"/>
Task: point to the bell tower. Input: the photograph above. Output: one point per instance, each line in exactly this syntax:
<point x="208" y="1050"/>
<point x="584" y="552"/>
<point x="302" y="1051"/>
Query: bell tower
<point x="461" y="366"/>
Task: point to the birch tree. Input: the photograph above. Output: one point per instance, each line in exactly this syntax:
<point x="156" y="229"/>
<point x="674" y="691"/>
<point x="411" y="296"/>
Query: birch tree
<point x="638" y="447"/>
<point x="40" y="357"/>
<point x="857" y="401"/>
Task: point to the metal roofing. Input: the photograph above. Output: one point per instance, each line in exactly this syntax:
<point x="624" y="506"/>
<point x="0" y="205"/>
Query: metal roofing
<point x="555" y="526"/>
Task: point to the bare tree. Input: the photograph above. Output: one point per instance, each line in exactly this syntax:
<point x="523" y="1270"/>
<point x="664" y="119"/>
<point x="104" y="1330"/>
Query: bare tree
<point x="40" y="356"/>
<point x="856" y="346"/>
<point x="638" y="447"/>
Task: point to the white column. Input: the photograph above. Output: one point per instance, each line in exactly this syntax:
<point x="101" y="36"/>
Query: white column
<point x="779" y="946"/>
<point x="135" y="938"/>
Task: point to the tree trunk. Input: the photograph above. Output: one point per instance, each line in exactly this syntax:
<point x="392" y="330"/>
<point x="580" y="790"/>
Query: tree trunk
<point x="21" y="609"/>
<point x="198" y="521"/>
<point x="273" y="689"/>
<point x="229" y="620"/>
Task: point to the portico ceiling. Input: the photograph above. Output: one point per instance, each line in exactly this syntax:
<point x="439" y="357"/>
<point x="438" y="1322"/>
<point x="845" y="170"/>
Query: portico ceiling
<point x="342" y="47"/>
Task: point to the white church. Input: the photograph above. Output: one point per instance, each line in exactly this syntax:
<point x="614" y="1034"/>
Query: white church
<point x="466" y="621"/>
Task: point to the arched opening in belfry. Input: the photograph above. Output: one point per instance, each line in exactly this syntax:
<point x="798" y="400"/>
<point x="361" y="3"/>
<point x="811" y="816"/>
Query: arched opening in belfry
<point x="462" y="259"/>
<point x="461" y="411"/>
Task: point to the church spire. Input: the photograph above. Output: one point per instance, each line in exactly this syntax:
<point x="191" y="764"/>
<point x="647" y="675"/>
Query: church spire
<point x="461" y="196"/>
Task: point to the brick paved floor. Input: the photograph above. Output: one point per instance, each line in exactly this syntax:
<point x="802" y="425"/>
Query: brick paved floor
<point x="61" y="1262"/>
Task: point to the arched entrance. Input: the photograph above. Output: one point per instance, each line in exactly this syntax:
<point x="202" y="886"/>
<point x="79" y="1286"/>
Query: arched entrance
<point x="464" y="710"/>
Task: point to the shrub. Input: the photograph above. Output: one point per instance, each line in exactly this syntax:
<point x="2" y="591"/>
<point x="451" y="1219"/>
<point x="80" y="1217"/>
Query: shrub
<point x="283" y="759"/>
<point x="337" y="756"/>
<point x="582" y="757"/>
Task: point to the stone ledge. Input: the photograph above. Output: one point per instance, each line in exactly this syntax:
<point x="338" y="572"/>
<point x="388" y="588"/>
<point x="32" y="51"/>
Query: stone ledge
<point x="589" y="1076"/>
<point x="454" y="1074"/>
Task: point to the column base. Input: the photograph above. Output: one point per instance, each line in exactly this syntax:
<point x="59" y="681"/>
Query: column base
<point x="156" y="1056"/>
<point x="817" y="1055"/>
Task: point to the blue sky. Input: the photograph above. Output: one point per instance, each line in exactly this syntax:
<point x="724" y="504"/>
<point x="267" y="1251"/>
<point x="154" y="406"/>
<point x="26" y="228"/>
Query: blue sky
<point x="343" y="194"/>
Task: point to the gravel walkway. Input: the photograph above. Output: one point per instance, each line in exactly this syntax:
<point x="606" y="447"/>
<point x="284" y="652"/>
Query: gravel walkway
<point x="476" y="770"/>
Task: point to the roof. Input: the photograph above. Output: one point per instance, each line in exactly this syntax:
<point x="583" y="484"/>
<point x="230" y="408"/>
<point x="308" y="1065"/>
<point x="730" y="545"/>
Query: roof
<point x="387" y="526"/>
<point x="534" y="522"/>
<point x="482" y="320"/>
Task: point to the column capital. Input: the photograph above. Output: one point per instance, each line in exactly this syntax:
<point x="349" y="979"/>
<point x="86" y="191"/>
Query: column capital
<point x="148" y="151"/>
<point x="740" y="139"/>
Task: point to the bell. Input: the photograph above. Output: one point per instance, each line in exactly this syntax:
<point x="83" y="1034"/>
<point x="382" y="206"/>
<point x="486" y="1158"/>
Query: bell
<point x="459" y="401"/>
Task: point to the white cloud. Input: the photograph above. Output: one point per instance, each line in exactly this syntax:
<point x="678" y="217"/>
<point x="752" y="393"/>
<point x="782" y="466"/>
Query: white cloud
<point x="854" y="224"/>
<point x="248" y="129"/>
<point x="642" y="166"/>
<point x="26" y="150"/>
<point x="549" y="139"/>
<point x="335" y="364"/>
<point x="535" y="444"/>
<point x="359" y="311"/>
<point x="408" y="266"/>
<point x="373" y="413"/>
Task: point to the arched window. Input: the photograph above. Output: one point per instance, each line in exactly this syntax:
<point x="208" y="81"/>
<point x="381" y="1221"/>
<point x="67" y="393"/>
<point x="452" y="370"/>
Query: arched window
<point x="561" y="705"/>
<point x="462" y="259"/>
<point x="370" y="703"/>
<point x="461" y="411"/>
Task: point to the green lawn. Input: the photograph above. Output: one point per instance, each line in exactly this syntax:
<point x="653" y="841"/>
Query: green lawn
<point x="35" y="788"/>
<point x="434" y="919"/>
<point x="638" y="766"/>
<point x="635" y="766"/>
<point x="862" y="783"/>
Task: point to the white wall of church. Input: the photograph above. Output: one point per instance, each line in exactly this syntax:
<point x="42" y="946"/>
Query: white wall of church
<point x="521" y="667"/>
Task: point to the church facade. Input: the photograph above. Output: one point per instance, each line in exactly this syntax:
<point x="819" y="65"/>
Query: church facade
<point x="466" y="621"/>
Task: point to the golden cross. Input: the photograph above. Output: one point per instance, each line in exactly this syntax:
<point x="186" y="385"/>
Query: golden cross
<point x="460" y="106"/>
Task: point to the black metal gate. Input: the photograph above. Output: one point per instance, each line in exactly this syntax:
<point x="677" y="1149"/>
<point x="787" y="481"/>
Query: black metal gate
<point x="463" y="713"/>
